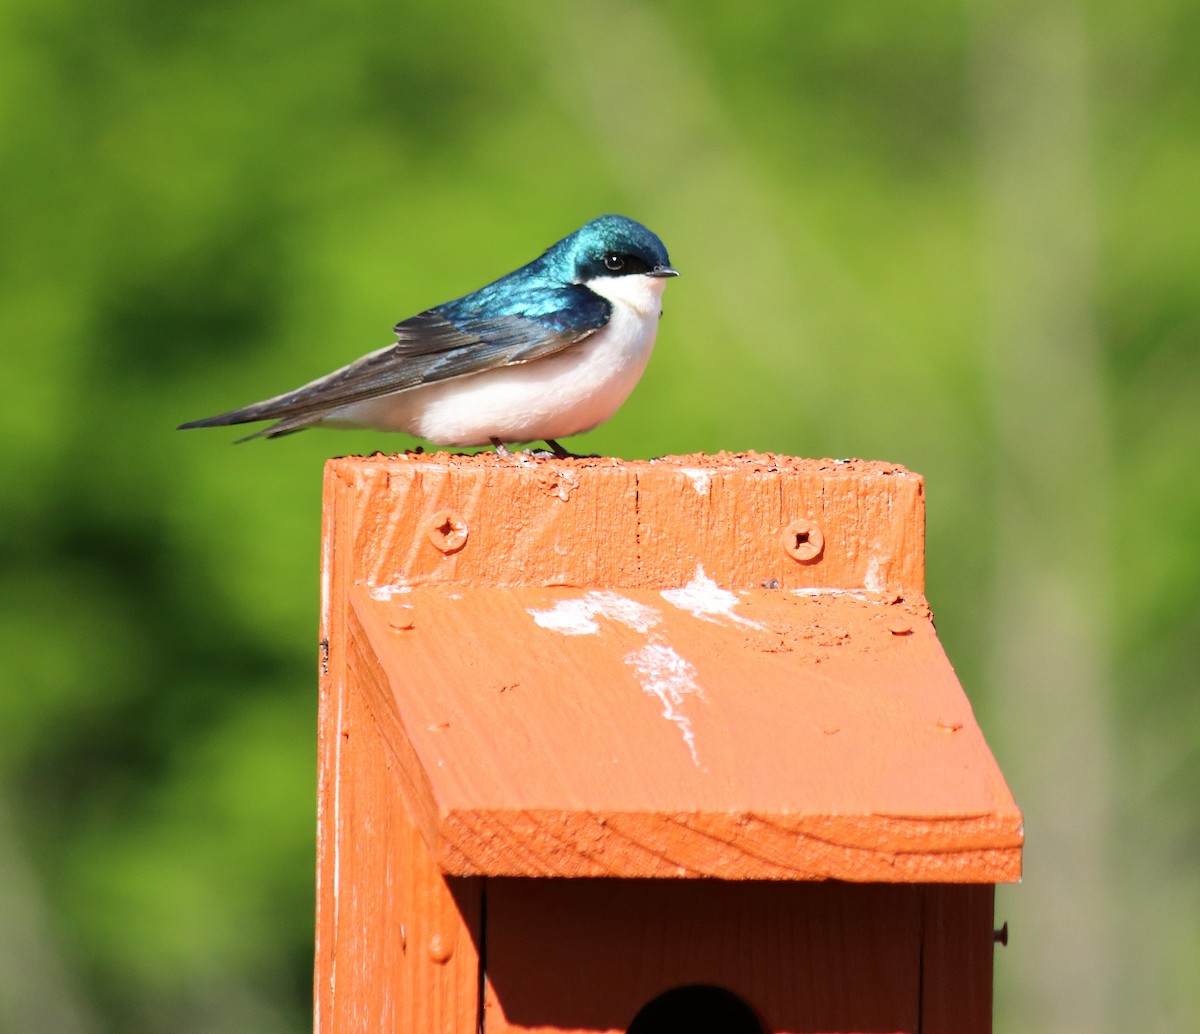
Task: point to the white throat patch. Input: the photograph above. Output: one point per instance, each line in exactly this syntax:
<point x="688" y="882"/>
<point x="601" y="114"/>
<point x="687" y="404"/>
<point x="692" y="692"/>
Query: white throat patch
<point x="637" y="292"/>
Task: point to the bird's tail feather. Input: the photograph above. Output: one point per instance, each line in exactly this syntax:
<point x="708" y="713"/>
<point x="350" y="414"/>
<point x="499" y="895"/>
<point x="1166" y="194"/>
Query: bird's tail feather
<point x="251" y="414"/>
<point x="278" y="429"/>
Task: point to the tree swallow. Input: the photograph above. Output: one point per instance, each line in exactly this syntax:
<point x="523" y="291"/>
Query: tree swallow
<point x="550" y="350"/>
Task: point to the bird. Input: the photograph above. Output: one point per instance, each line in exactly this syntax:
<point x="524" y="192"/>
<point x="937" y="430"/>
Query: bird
<point x="547" y="351"/>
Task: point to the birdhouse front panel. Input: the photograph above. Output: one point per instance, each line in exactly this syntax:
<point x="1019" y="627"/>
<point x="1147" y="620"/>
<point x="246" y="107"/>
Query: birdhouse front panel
<point x="619" y="747"/>
<point x="588" y="955"/>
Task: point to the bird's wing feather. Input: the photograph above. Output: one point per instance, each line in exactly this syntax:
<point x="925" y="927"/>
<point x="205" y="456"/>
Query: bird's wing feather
<point x="430" y="347"/>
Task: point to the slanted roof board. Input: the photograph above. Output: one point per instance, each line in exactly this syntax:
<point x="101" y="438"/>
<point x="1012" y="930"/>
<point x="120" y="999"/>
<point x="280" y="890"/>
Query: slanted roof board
<point x="562" y="731"/>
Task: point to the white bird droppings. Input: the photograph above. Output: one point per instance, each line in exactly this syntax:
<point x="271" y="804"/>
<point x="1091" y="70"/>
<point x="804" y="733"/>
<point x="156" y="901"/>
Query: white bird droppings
<point x="669" y="677"/>
<point x="578" y="616"/>
<point x="660" y="670"/>
<point x="705" y="599"/>
<point x="383" y="593"/>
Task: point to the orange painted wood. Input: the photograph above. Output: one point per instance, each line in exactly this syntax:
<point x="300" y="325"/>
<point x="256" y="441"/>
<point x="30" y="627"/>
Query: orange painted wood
<point x="818" y="734"/>
<point x="604" y="523"/>
<point x="512" y="684"/>
<point x="805" y="957"/>
<point x="567" y="956"/>
<point x="728" y="516"/>
<point x="806" y="739"/>
<point x="396" y="940"/>
<point x="395" y="948"/>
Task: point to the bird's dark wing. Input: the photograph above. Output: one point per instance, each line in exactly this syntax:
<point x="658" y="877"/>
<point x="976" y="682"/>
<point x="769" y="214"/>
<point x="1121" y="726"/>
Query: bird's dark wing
<point x="429" y="347"/>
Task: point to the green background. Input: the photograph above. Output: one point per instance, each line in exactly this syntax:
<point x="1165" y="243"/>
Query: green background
<point x="962" y="237"/>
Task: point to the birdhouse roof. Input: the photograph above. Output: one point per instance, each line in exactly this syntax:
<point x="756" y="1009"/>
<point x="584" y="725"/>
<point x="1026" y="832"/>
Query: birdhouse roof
<point x="690" y="729"/>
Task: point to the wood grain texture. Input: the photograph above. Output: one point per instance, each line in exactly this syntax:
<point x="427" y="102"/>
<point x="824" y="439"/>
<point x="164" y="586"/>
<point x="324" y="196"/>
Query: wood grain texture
<point x="568" y="956"/>
<point x="957" y="952"/>
<point x="642" y="524"/>
<point x="537" y="699"/>
<point x="729" y="518"/>
<point x="395" y="948"/>
<point x="396" y="944"/>
<point x="788" y="737"/>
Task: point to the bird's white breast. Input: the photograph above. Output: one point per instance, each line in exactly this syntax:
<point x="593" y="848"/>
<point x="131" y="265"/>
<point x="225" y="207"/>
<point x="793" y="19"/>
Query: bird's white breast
<point x="563" y="394"/>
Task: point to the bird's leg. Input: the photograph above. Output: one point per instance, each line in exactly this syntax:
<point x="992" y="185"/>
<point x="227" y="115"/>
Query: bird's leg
<point x="501" y="448"/>
<point x="559" y="452"/>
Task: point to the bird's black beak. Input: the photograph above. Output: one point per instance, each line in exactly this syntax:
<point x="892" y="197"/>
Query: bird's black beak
<point x="662" y="271"/>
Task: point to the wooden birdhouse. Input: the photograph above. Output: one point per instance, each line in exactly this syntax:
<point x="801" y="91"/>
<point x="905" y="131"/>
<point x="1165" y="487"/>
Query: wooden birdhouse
<point x="650" y="746"/>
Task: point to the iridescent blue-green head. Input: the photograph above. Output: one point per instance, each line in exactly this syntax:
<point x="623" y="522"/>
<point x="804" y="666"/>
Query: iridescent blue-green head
<point x="611" y="246"/>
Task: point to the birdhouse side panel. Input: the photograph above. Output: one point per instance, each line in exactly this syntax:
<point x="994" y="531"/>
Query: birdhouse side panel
<point x="957" y="958"/>
<point x="396" y="939"/>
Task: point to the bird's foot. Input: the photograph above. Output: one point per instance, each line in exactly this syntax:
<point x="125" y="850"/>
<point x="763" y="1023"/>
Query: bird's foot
<point x="559" y="453"/>
<point x="556" y="451"/>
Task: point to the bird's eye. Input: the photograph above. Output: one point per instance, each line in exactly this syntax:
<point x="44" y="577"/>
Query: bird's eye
<point x="613" y="262"/>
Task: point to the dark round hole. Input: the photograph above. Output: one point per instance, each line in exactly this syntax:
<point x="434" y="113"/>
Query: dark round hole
<point x="698" y="1009"/>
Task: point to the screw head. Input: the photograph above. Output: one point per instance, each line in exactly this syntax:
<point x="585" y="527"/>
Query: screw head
<point x="803" y="540"/>
<point x="447" y="530"/>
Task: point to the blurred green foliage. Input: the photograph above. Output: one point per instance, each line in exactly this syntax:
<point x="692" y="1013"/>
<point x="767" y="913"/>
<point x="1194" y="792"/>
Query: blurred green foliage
<point x="207" y="203"/>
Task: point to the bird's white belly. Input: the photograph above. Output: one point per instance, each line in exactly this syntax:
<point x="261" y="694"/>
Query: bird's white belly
<point x="563" y="394"/>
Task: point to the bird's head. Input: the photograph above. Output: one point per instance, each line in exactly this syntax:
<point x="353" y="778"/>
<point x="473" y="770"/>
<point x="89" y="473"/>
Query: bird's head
<point x="613" y="246"/>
